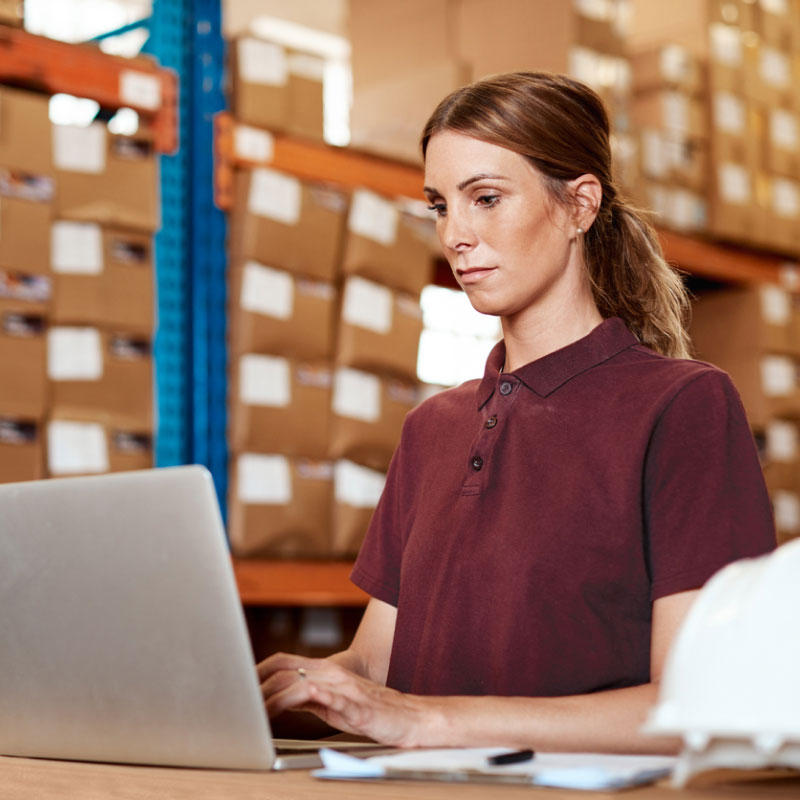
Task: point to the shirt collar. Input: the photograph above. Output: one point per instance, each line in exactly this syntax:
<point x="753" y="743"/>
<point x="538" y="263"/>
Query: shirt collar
<point x="548" y="373"/>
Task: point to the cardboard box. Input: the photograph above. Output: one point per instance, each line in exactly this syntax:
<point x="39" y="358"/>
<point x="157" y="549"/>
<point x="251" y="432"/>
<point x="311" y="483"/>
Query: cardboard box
<point x="379" y="329"/>
<point x="280" y="405"/>
<point x="786" y="510"/>
<point x="279" y="507"/>
<point x="368" y="415"/>
<point x="737" y="130"/>
<point x="775" y="75"/>
<point x="674" y="206"/>
<point x="23" y="378"/>
<point x="747" y="333"/>
<point x="129" y="450"/>
<point x="782" y="222"/>
<point x="670" y="110"/>
<point x="357" y="491"/>
<point x="24" y="236"/>
<point x="782" y="142"/>
<point x="21" y="450"/>
<point x="674" y="159"/>
<point x="285" y="223"/>
<point x="383" y="245"/>
<point x="106" y="178"/>
<point x="103" y="277"/>
<point x="102" y="376"/>
<point x="273" y="311"/>
<point x="25" y="132"/>
<point x="668" y="66"/>
<point x="11" y="12"/>
<point x="733" y="207"/>
<point x="306" y="95"/>
<point x="781" y="455"/>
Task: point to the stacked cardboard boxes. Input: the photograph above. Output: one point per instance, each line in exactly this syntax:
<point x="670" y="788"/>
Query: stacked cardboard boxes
<point x="78" y="207"/>
<point x="753" y="333"/>
<point x="750" y="50"/>
<point x="465" y="40"/>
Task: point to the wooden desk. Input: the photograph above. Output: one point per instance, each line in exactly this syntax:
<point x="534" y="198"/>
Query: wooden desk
<point x="34" y="779"/>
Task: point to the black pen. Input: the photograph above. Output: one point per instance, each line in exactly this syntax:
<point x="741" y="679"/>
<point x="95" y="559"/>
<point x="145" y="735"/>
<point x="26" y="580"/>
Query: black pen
<point x="514" y="757"/>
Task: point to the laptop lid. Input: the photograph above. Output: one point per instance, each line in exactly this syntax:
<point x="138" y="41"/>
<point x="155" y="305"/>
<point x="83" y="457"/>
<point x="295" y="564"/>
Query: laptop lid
<point x="122" y="637"/>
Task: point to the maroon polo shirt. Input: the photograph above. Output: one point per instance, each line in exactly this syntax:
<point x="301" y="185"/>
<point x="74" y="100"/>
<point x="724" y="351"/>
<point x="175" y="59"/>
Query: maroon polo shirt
<point x="530" y="518"/>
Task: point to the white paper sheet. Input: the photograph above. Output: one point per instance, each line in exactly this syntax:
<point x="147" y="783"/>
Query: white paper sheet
<point x="80" y="149"/>
<point x="357" y="486"/>
<point x="264" y="380"/>
<point x="76" y="448"/>
<point x="264" y="479"/>
<point x="373" y="217"/>
<point x="356" y="394"/>
<point x="267" y="291"/>
<point x="76" y="248"/>
<point x="275" y="196"/>
<point x="74" y="354"/>
<point x="367" y="305"/>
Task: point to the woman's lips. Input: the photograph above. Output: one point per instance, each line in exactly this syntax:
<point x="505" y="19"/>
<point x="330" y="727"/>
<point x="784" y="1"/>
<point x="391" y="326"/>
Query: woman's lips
<point x="474" y="274"/>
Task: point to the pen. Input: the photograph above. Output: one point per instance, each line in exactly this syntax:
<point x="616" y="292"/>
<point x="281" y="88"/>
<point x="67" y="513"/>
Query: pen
<point x="514" y="757"/>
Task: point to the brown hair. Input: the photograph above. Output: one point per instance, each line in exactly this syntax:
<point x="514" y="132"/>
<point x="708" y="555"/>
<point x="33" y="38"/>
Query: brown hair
<point x="561" y="127"/>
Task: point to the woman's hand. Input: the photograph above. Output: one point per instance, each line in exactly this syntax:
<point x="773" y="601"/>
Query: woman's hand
<point x="343" y="699"/>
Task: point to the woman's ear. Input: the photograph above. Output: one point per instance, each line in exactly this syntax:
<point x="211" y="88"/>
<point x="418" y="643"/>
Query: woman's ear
<point x="587" y="193"/>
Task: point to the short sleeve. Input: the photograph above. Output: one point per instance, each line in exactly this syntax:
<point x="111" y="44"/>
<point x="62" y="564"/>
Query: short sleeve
<point x="377" y="568"/>
<point x="705" y="500"/>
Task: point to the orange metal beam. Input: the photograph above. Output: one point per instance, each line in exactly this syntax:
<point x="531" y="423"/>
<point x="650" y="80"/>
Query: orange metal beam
<point x="84" y="70"/>
<point x="296" y="583"/>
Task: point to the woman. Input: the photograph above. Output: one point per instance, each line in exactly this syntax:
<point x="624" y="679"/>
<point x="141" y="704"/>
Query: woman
<point x="544" y="530"/>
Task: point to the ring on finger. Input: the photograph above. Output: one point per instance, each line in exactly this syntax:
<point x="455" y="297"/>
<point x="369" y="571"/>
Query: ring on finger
<point x="302" y="673"/>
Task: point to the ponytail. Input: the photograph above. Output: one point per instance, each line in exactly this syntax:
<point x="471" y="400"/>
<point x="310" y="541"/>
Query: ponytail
<point x="630" y="278"/>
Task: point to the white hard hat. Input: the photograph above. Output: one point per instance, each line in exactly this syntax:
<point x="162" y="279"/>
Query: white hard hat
<point x="731" y="683"/>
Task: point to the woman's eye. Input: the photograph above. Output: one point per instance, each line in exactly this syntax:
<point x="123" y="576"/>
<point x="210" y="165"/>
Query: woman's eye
<point x="438" y="208"/>
<point x="488" y="200"/>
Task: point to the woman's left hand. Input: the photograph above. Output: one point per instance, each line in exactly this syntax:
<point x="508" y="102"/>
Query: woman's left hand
<point x="343" y="699"/>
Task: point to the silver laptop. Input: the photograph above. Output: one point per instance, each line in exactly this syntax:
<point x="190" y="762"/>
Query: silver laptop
<point x="122" y="637"/>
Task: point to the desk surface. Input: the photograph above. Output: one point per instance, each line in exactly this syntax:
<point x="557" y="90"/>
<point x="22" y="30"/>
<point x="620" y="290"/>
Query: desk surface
<point x="26" y="779"/>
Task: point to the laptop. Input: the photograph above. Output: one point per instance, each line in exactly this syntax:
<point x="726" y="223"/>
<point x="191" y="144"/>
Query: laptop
<point x="122" y="636"/>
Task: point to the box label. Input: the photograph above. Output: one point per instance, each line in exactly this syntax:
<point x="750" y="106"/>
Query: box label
<point x="786" y="507"/>
<point x="774" y="68"/>
<point x="373" y="217"/>
<point x="782" y="441"/>
<point x="785" y="198"/>
<point x="726" y="44"/>
<point x="275" y="196"/>
<point x="306" y="66"/>
<point x="252" y="144"/>
<point x="729" y="113"/>
<point x="264" y="380"/>
<point x="76" y="248"/>
<point x="80" y="149"/>
<point x="367" y="305"/>
<point x="262" y="62"/>
<point x="734" y="184"/>
<point x="357" y="395"/>
<point x="267" y="291"/>
<point x="76" y="447"/>
<point x="139" y="89"/>
<point x="357" y="486"/>
<point x="74" y="354"/>
<point x="776" y="305"/>
<point x="777" y="376"/>
<point x="264" y="479"/>
<point x="674" y="63"/>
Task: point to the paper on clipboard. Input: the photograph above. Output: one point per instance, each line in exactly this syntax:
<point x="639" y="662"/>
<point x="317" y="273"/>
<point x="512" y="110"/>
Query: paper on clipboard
<point x="587" y="771"/>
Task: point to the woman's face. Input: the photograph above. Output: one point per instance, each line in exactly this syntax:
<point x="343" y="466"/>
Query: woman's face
<point x="510" y="246"/>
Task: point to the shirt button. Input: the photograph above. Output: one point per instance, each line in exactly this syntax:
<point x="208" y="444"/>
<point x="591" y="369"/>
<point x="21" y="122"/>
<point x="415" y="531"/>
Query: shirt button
<point x="506" y="387"/>
<point x="477" y="463"/>
<point x="491" y="422"/>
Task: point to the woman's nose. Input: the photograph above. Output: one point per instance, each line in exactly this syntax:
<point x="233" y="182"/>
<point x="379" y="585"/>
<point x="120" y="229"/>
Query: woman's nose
<point x="455" y="232"/>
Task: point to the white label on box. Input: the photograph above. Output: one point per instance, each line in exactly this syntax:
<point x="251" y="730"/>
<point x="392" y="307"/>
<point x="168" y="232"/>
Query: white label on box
<point x="675" y="111"/>
<point x="779" y="7"/>
<point x="653" y="155"/>
<point x="76" y="448"/>
<point x="783" y="129"/>
<point x="307" y="66"/>
<point x="584" y="65"/>
<point x="74" y="354"/>
<point x="790" y="276"/>
<point x="785" y="198"/>
<point x="76" y="247"/>
<point x="774" y="67"/>
<point x="602" y="10"/>
<point x="734" y="184"/>
<point x="357" y="486"/>
<point x="685" y="210"/>
<point x="275" y="196"/>
<point x="265" y="480"/>
<point x="781" y="441"/>
<point x="356" y="394"/>
<point x="726" y="44"/>
<point x="80" y="149"/>
<point x="139" y="89"/>
<point x="252" y="144"/>
<point x="729" y="113"/>
<point x="373" y="217"/>
<point x="267" y="291"/>
<point x="776" y="305"/>
<point x="367" y="305"/>
<point x="786" y="507"/>
<point x="264" y="380"/>
<point x="777" y="376"/>
<point x="262" y="62"/>
<point x="674" y="63"/>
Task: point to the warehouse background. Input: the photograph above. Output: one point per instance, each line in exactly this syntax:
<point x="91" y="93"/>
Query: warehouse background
<point x="213" y="247"/>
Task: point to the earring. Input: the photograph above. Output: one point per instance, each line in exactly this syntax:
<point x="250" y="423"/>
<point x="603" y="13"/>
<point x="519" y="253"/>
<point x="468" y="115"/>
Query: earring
<point x="579" y="231"/>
